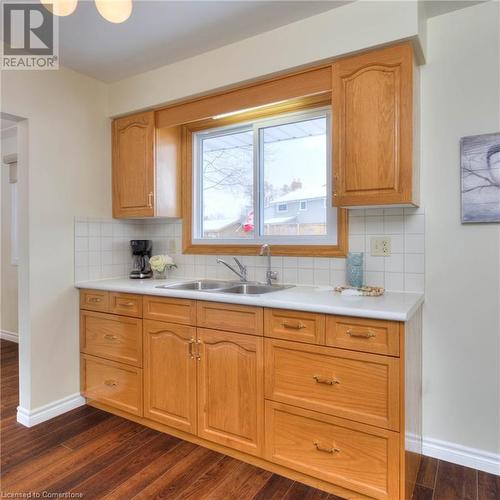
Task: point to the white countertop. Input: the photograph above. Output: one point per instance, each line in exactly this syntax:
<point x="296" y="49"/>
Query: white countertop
<point x="396" y="306"/>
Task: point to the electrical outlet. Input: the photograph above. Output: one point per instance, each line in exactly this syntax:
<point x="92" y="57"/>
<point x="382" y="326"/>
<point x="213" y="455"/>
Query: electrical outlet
<point x="380" y="246"/>
<point x="172" y="247"/>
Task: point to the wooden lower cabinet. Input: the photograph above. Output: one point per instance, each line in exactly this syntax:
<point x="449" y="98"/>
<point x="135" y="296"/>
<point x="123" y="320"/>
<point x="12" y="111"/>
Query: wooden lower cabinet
<point x="260" y="385"/>
<point x="352" y="455"/>
<point x="112" y="383"/>
<point x="230" y="390"/>
<point x="354" y="385"/>
<point x="113" y="337"/>
<point x="170" y="374"/>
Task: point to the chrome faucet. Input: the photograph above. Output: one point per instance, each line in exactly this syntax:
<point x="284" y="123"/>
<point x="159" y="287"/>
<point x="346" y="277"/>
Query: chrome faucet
<point x="270" y="275"/>
<point x="242" y="273"/>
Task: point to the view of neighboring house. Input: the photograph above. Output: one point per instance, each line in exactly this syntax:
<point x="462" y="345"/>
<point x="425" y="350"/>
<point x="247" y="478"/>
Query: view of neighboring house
<point x="298" y="212"/>
<point x="222" y="228"/>
<point x="301" y="211"/>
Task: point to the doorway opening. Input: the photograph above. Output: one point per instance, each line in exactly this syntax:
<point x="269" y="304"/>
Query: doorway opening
<point x="13" y="259"/>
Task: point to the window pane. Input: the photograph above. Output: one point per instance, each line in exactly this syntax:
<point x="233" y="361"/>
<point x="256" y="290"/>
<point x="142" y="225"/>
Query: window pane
<point x="294" y="158"/>
<point x="227" y="185"/>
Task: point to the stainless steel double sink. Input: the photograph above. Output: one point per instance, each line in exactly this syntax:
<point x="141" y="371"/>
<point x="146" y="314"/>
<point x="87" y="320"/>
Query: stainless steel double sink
<point x="226" y="287"/>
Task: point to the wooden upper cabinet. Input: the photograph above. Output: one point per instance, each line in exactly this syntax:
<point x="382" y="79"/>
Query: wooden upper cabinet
<point x="146" y="168"/>
<point x="133" y="165"/>
<point x="372" y="96"/>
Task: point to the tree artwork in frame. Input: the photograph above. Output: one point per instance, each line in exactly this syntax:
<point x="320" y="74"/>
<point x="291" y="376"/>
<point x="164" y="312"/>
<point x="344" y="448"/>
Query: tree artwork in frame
<point x="480" y="175"/>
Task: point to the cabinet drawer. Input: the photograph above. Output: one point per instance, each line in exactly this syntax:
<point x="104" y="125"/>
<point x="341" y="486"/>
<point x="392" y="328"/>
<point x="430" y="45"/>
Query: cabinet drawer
<point x="112" y="337"/>
<point x="355" y="456"/>
<point x="368" y="335"/>
<point x="359" y="386"/>
<point x="94" y="300"/>
<point x="126" y="304"/>
<point x="180" y="311"/>
<point x="230" y="317"/>
<point x="112" y="383"/>
<point x="294" y="325"/>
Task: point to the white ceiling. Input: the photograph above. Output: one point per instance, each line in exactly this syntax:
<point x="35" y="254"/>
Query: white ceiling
<point x="161" y="32"/>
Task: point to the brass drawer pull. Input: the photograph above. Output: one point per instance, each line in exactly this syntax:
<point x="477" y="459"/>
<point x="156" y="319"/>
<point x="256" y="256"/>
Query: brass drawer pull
<point x="331" y="450"/>
<point x="191" y="344"/>
<point x="111" y="383"/>
<point x="326" y="381"/>
<point x="293" y="326"/>
<point x="108" y="336"/>
<point x="362" y="335"/>
<point x="128" y="304"/>
<point x="94" y="299"/>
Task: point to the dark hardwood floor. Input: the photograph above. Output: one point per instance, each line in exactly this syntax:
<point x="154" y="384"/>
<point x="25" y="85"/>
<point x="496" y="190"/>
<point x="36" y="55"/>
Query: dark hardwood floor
<point x="98" y="455"/>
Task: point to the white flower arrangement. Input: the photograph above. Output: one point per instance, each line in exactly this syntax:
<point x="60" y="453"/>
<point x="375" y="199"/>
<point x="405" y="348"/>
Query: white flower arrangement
<point x="159" y="263"/>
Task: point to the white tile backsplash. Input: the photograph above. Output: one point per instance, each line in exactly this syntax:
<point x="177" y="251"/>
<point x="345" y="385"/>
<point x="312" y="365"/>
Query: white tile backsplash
<point x="102" y="251"/>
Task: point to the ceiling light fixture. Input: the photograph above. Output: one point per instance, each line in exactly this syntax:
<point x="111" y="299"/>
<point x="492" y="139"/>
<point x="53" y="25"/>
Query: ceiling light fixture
<point x="114" y="11"/>
<point x="60" y="7"/>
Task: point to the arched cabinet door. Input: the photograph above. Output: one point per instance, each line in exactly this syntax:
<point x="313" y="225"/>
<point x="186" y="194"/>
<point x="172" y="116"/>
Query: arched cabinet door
<point x="170" y="374"/>
<point x="230" y="389"/>
<point x="134" y="165"/>
<point x="373" y="128"/>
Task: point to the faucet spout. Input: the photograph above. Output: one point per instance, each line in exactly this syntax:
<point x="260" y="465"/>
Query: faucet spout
<point x="270" y="275"/>
<point x="242" y="273"/>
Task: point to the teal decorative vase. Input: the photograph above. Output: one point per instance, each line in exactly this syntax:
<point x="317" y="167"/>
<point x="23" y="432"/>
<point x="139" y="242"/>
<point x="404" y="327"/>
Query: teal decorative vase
<point x="354" y="269"/>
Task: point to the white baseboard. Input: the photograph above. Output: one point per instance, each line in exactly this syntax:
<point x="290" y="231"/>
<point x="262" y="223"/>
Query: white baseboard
<point x="12" y="336"/>
<point x="462" y="455"/>
<point x="29" y="418"/>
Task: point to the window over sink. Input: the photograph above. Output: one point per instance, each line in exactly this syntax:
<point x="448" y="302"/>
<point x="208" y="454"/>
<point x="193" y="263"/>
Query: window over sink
<point x="253" y="180"/>
<point x="260" y="176"/>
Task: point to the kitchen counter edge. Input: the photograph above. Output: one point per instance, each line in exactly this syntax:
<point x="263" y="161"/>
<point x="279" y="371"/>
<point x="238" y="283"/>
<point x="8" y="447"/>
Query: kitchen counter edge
<point x="392" y="306"/>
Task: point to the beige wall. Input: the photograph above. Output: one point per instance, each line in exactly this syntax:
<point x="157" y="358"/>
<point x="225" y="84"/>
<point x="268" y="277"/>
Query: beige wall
<point x="69" y="174"/>
<point x="460" y="97"/>
<point x="350" y="28"/>
<point x="8" y="271"/>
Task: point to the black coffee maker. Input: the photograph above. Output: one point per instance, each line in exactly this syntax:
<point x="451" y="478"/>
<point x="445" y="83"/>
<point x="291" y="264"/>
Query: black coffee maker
<point x="141" y="252"/>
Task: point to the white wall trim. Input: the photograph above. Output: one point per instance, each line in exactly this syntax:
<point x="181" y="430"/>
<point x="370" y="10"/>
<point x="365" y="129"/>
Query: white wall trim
<point x="29" y="418"/>
<point x="12" y="336"/>
<point x="462" y="455"/>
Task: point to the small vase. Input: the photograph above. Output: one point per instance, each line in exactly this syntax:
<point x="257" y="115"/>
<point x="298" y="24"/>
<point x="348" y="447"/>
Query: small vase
<point x="354" y="269"/>
<point x="160" y="275"/>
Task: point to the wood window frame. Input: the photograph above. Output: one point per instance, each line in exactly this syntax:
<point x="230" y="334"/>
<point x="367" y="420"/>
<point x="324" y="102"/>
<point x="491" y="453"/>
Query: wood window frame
<point x="188" y="247"/>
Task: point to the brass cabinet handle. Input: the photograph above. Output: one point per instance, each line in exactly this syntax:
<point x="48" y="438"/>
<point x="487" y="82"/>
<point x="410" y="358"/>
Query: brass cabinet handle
<point x="293" y="326"/>
<point x="326" y="381"/>
<point x="111" y="383"/>
<point x="150" y="200"/>
<point x="108" y="336"/>
<point x="191" y="344"/>
<point x="95" y="299"/>
<point x="198" y="357"/>
<point x="362" y="335"/>
<point x="331" y="450"/>
<point x="127" y="304"/>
